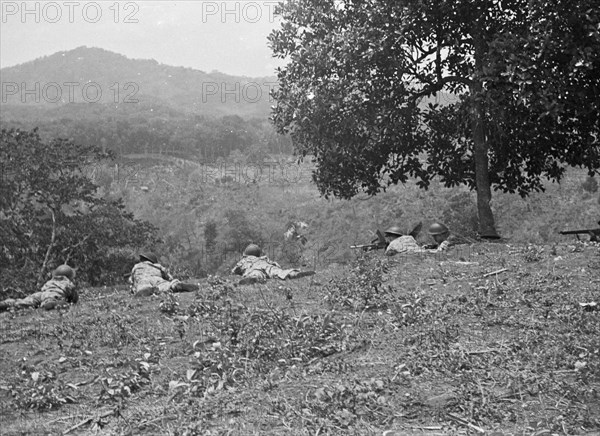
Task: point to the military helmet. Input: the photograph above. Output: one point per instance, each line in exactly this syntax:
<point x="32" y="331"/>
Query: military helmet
<point x="395" y="230"/>
<point x="252" y="250"/>
<point x="437" y="229"/>
<point x="63" y="271"/>
<point x="149" y="256"/>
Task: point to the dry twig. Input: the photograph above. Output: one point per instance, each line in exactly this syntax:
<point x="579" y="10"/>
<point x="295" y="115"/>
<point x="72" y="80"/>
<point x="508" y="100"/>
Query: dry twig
<point x="463" y="421"/>
<point x="495" y="272"/>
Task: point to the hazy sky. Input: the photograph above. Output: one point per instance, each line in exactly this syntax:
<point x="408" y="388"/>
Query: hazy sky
<point x="228" y="36"/>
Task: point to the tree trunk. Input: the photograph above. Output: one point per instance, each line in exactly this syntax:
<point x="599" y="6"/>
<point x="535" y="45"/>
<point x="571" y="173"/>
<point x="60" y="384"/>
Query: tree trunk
<point x="487" y="227"/>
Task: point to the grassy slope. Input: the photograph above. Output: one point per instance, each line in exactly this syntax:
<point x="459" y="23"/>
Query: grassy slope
<point x="450" y="350"/>
<point x="181" y="200"/>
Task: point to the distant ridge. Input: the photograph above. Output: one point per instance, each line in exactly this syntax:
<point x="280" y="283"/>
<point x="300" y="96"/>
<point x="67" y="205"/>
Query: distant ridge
<point x="94" y="75"/>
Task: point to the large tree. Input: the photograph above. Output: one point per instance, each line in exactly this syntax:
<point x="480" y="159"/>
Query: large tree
<point x="51" y="213"/>
<point x="521" y="80"/>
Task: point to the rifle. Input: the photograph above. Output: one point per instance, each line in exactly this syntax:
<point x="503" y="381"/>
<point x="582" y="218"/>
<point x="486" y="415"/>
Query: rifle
<point x="594" y="233"/>
<point x="376" y="244"/>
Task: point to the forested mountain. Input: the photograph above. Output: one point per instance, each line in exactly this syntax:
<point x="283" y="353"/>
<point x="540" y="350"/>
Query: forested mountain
<point x="81" y="72"/>
<point x="97" y="97"/>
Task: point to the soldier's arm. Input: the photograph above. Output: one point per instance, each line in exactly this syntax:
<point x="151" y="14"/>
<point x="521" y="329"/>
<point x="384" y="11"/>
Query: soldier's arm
<point x="71" y="294"/>
<point x="269" y="261"/>
<point x="237" y="269"/>
<point x="165" y="273"/>
<point x="130" y="278"/>
<point x="444" y="245"/>
<point x="74" y="297"/>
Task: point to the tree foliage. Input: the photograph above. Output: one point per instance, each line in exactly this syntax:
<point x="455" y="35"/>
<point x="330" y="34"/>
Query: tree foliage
<point x="358" y="93"/>
<point x="50" y="213"/>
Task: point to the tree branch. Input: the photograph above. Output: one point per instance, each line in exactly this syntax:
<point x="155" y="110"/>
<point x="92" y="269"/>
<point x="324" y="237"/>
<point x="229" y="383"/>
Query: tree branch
<point x="438" y="86"/>
<point x="72" y="247"/>
<point x="47" y="256"/>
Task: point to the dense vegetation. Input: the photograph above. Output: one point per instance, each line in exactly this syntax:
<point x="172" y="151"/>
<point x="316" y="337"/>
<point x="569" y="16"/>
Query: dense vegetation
<point x="150" y="129"/>
<point x="51" y="213"/>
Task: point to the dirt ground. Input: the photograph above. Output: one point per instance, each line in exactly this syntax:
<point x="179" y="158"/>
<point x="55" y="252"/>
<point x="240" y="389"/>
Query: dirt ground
<point x="489" y="339"/>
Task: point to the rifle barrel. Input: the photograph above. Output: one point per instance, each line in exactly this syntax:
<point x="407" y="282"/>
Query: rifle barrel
<point x="368" y="246"/>
<point x="577" y="232"/>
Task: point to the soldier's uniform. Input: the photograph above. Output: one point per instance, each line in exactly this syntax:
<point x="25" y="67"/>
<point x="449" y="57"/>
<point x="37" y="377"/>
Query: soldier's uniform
<point x="147" y="275"/>
<point x="261" y="268"/>
<point x="403" y="245"/>
<point x="55" y="291"/>
<point x="406" y="244"/>
<point x="256" y="268"/>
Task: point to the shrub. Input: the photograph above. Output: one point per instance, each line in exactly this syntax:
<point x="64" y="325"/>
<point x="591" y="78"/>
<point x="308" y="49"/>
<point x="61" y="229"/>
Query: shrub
<point x="590" y="185"/>
<point x="460" y="215"/>
<point x="363" y="289"/>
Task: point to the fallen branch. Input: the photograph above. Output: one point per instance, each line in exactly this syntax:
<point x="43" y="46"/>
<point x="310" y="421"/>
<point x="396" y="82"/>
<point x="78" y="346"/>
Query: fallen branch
<point x="464" y="422"/>
<point x="495" y="272"/>
<point x="489" y="350"/>
<point x="458" y="262"/>
<point x="91" y="419"/>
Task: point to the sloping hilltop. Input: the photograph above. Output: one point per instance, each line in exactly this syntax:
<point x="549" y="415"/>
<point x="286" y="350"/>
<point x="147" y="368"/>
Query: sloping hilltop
<point x="487" y="339"/>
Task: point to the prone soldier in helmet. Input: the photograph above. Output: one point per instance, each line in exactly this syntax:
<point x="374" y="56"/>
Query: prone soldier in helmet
<point x="58" y="291"/>
<point x="253" y="267"/>
<point x="150" y="277"/>
<point x="442" y="237"/>
<point x="402" y="243"/>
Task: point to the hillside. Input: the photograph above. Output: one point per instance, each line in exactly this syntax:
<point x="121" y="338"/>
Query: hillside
<point x="246" y="200"/>
<point x="97" y="97"/>
<point x="85" y="75"/>
<point x="143" y="106"/>
<point x="505" y="343"/>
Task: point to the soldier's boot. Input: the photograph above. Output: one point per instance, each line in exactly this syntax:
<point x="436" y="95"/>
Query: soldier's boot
<point x="54" y="304"/>
<point x="185" y="287"/>
<point x="300" y="274"/>
<point x="248" y="281"/>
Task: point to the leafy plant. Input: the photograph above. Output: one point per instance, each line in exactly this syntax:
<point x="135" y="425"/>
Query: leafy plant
<point x="533" y="253"/>
<point x="364" y="289"/>
<point x="118" y="387"/>
<point x="42" y="391"/>
<point x="169" y="304"/>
